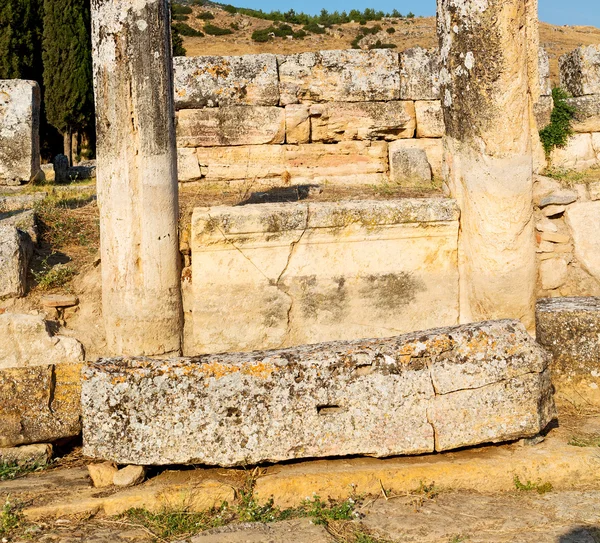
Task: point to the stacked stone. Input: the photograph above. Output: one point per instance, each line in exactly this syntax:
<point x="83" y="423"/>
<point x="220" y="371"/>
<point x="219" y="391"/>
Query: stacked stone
<point x="567" y="247"/>
<point x="349" y="117"/>
<point x="580" y="76"/>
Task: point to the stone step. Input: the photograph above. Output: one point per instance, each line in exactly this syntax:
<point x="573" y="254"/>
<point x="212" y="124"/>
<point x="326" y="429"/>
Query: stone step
<point x="417" y="393"/>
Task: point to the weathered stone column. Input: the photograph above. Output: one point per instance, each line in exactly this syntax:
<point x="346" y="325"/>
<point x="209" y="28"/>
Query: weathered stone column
<point x="137" y="176"/>
<point x="489" y="51"/>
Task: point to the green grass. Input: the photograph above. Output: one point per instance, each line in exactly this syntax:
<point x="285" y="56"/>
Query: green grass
<point x="10" y="519"/>
<point x="14" y="470"/>
<point x="585" y="441"/>
<point x="573" y="177"/>
<point x="539" y="487"/>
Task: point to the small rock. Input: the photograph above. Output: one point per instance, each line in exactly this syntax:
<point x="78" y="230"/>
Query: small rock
<point x="560" y="198"/>
<point x="555" y="237"/>
<point x="129" y="476"/>
<point x="594" y="190"/>
<point x="40" y="453"/>
<point x="582" y="192"/>
<point x="553" y="273"/>
<point x="546" y="225"/>
<point x="553" y="210"/>
<point x="545" y="247"/>
<point x="102" y="474"/>
<point x="543" y="186"/>
<point x="59" y="300"/>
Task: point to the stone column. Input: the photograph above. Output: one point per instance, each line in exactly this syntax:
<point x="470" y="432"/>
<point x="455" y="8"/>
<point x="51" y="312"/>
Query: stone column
<point x="489" y="82"/>
<point x="137" y="176"/>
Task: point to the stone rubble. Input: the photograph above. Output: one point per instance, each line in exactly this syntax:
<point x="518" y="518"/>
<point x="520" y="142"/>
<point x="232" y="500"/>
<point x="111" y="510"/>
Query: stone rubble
<point x="102" y="475"/>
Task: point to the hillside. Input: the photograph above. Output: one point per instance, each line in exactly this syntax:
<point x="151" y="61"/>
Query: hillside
<point x="407" y="33"/>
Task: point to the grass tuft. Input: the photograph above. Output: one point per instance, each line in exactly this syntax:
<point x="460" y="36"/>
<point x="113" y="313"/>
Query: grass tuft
<point x="539" y="487"/>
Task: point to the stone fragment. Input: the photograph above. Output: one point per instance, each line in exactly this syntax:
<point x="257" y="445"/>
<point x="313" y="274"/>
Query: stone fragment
<point x="546" y="225"/>
<point x="49" y="174"/>
<point x="341" y="121"/>
<point x="570" y="329"/>
<point x="59" y="300"/>
<point x="39" y="454"/>
<point x="297" y="123"/>
<point x="555" y="237"/>
<point x="583" y="220"/>
<point x="25" y="221"/>
<point x="26" y="341"/>
<point x="430" y="119"/>
<point x="213" y="81"/>
<point x="422" y="392"/>
<point x="129" y="476"/>
<point x="542" y="110"/>
<point x="553" y="211"/>
<point x="19" y="131"/>
<point x="587" y="113"/>
<point x="61" y="169"/>
<point x="553" y="273"/>
<point x="582" y="192"/>
<point x="20" y="202"/>
<point x="594" y="189"/>
<point x="410" y="167"/>
<point x="16" y="249"/>
<point x="580" y="71"/>
<point x="433" y="148"/>
<point x="233" y="125"/>
<point x="339" y="76"/>
<point x="419" y="74"/>
<point x="578" y="154"/>
<point x="188" y="168"/>
<point x="546" y="247"/>
<point x="321" y="271"/>
<point x="544" y="72"/>
<point x="543" y="186"/>
<point x="102" y="474"/>
<point x="39" y="403"/>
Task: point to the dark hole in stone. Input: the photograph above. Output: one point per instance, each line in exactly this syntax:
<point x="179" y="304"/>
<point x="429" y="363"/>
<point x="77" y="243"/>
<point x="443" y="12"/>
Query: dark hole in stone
<point x="329" y="409"/>
<point x="233" y="412"/>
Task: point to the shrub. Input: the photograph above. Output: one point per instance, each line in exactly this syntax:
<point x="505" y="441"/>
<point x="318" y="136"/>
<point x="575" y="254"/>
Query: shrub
<point x="235" y="26"/>
<point x="181" y="10"/>
<point x="180" y="17"/>
<point x="314" y="28"/>
<point x="379" y="45"/>
<point x="186" y="30"/>
<point x="261" y="36"/>
<point x="177" y="41"/>
<point x="300" y="34"/>
<point x="213" y="30"/>
<point x="390" y="30"/>
<point x="230" y="9"/>
<point x="557" y="133"/>
<point x="205" y="15"/>
<point x="370" y="30"/>
<point x="410" y="15"/>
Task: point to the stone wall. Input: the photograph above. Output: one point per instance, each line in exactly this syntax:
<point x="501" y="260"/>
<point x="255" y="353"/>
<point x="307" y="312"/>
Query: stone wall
<point x="275" y="275"/>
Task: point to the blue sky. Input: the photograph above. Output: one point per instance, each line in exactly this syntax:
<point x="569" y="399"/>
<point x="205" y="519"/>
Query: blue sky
<point x="559" y="12"/>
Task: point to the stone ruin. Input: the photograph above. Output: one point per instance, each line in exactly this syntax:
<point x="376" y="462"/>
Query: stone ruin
<point x="275" y="276"/>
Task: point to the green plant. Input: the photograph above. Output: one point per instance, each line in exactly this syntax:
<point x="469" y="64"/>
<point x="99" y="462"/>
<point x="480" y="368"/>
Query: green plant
<point x="230" y="9"/>
<point x="206" y="15"/>
<point x="558" y="132"/>
<point x="180" y="9"/>
<point x="457" y="539"/>
<point x="390" y="30"/>
<point x="180" y="17"/>
<point x="585" y="441"/>
<point x="186" y="30"/>
<point x="379" y="45"/>
<point x="9" y="518"/>
<point x="177" y="42"/>
<point x="48" y="277"/>
<point x="300" y="34"/>
<point x="213" y="30"/>
<point x="314" y="28"/>
<point x="14" y="470"/>
<point x="234" y="26"/>
<point x="539" y="487"/>
<point x="261" y="36"/>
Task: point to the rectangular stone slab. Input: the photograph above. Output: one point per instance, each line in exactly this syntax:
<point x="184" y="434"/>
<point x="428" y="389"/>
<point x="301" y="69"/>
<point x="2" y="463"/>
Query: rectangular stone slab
<point x="421" y="392"/>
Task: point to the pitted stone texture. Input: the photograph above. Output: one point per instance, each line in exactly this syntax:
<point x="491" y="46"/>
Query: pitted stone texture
<point x="25" y="221"/>
<point x="570" y="329"/>
<point x="587" y="113"/>
<point x="419" y="74"/>
<point x="339" y="76"/>
<point x="583" y="219"/>
<point x="305" y="273"/>
<point x="39" y="404"/>
<point x="542" y="111"/>
<point x="423" y="392"/>
<point x="16" y="249"/>
<point x="19" y="131"/>
<point x="297" y="123"/>
<point x="409" y="167"/>
<point x="188" y="167"/>
<point x="235" y="125"/>
<point x="580" y="70"/>
<point x="544" y="71"/>
<point x="430" y="119"/>
<point x="27" y="341"/>
<point x="212" y="81"/>
<point x="433" y="148"/>
<point x="21" y="201"/>
<point x="341" y="121"/>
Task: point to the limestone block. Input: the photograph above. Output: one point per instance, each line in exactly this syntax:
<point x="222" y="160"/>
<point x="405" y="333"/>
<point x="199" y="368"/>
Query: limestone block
<point x="423" y="392"/>
<point x="339" y="76"/>
<point x="234" y="125"/>
<point x="580" y="70"/>
<point x="433" y="148"/>
<point x="102" y="474"/>
<point x="38" y="454"/>
<point x="188" y="168"/>
<point x="583" y="219"/>
<point x="19" y="131"/>
<point x="409" y="167"/>
<point x="302" y="273"/>
<point x="594" y="189"/>
<point x="543" y="186"/>
<point x="341" y="121"/>
<point x="578" y="154"/>
<point x="212" y="81"/>
<point x="430" y="119"/>
<point x="419" y="74"/>
<point x="25" y="221"/>
<point x="16" y="250"/>
<point x="570" y="329"/>
<point x="596" y="144"/>
<point x="587" y="116"/>
<point x="297" y="123"/>
<point x="542" y="110"/>
<point x="26" y="341"/>
<point x="553" y="273"/>
<point x="561" y="197"/>
<point x="544" y="72"/>
<point x="129" y="476"/>
<point x="21" y="201"/>
<point x="39" y="403"/>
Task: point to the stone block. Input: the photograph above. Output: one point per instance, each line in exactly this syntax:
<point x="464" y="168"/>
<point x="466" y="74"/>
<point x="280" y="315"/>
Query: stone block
<point x="583" y="220"/>
<point x="433" y="148"/>
<point x="16" y="249"/>
<point x="339" y="76"/>
<point x="420" y="74"/>
<point x="297" y="123"/>
<point x="342" y="121"/>
<point x="102" y="474"/>
<point x="233" y="125"/>
<point x="578" y="154"/>
<point x="553" y="273"/>
<point x="19" y="131"/>
<point x="430" y="119"/>
<point x="560" y="197"/>
<point x="213" y="81"/>
<point x="542" y="110"/>
<point x="423" y="392"/>
<point x="311" y="272"/>
<point x="544" y="72"/>
<point x="188" y="167"/>
<point x="21" y="201"/>
<point x="39" y="403"/>
<point x="25" y="221"/>
<point x="580" y="70"/>
<point x="409" y="167"/>
<point x="570" y="329"/>
<point x="61" y="169"/>
<point x="594" y="189"/>
<point x="38" y="454"/>
<point x="587" y="116"/>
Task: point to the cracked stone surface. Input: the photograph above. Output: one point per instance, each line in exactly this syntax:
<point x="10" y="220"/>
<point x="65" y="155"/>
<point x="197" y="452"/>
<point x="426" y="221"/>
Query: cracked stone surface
<point x="274" y="275"/>
<point x="427" y="391"/>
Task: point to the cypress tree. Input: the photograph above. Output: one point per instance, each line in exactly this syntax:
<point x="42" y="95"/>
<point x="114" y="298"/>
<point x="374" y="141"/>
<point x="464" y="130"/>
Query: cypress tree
<point x="67" y="60"/>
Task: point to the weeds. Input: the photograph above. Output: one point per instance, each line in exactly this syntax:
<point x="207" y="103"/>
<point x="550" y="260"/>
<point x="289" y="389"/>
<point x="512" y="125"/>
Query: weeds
<point x="539" y="487"/>
<point x="572" y="177"/>
<point x="10" y="519"/>
<point x="14" y="470"/>
<point x="49" y="277"/>
<point x="558" y="132"/>
<point x="585" y="441"/>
